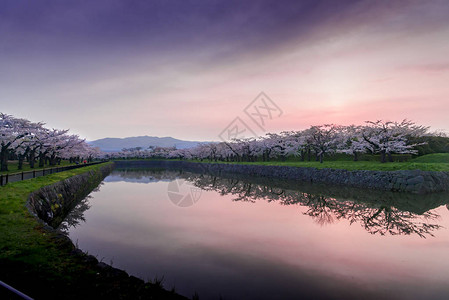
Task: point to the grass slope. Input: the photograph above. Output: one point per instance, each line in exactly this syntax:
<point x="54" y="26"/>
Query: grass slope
<point x="430" y="162"/>
<point x="433" y="158"/>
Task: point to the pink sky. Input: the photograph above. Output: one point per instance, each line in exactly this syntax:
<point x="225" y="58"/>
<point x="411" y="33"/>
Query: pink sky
<point x="363" y="62"/>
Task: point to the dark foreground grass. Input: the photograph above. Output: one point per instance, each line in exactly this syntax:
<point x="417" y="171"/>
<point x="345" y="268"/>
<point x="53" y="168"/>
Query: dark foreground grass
<point x="39" y="263"/>
<point x="430" y="162"/>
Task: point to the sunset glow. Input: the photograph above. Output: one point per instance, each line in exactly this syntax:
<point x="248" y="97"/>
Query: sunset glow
<point x="185" y="69"/>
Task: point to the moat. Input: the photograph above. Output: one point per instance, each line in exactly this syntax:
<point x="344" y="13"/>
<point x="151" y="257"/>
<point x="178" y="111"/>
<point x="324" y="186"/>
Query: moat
<point x="252" y="238"/>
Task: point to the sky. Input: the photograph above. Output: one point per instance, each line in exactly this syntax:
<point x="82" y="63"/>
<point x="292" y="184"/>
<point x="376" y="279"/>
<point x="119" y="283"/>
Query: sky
<point x="194" y="69"/>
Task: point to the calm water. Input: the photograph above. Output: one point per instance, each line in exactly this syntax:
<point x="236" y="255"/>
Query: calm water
<point x="248" y="239"/>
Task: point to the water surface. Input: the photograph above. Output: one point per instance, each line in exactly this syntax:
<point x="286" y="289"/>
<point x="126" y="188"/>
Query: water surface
<point x="241" y="238"/>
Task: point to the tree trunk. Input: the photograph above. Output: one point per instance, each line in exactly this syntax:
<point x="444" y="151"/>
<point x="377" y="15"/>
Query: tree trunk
<point x="321" y="158"/>
<point x="390" y="157"/>
<point x="21" y="159"/>
<point x="356" y="156"/>
<point x="31" y="158"/>
<point x="382" y="157"/>
<point x="41" y="160"/>
<point x="4" y="159"/>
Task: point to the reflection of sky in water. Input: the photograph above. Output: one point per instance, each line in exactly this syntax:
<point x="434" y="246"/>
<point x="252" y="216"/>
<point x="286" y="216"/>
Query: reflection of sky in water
<point x="264" y="248"/>
<point x="117" y="177"/>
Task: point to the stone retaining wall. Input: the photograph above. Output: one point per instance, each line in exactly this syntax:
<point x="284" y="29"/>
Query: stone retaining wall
<point x="412" y="181"/>
<point x="52" y="203"/>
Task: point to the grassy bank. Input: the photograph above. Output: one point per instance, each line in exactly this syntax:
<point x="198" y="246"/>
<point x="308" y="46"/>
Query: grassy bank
<point x="12" y="167"/>
<point x="38" y="262"/>
<point x="430" y="162"/>
<point x="433" y="158"/>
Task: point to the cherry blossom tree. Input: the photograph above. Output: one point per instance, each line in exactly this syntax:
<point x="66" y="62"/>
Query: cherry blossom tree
<point x="325" y="139"/>
<point x="33" y="142"/>
<point x="389" y="137"/>
<point x="296" y="142"/>
<point x="21" y="139"/>
<point x="235" y="148"/>
<point x="12" y="130"/>
<point x="352" y="141"/>
<point x="279" y="146"/>
<point x="51" y="142"/>
<point x="74" y="148"/>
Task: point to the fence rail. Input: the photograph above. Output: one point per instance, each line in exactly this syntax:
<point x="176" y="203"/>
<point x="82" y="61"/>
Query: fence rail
<point x="14" y="177"/>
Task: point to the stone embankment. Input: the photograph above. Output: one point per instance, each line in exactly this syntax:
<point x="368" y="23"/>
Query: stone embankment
<point x="52" y="203"/>
<point x="412" y="181"/>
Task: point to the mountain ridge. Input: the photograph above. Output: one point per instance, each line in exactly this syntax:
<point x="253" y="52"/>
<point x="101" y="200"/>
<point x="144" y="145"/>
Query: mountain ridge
<point x="109" y="144"/>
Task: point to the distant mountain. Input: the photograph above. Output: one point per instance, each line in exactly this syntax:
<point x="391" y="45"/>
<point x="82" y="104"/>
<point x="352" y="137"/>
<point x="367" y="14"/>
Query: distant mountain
<point x="117" y="144"/>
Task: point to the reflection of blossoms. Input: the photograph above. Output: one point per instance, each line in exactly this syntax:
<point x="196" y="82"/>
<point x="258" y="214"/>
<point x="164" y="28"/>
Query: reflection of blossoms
<point x="389" y="219"/>
<point x="391" y="215"/>
<point x="76" y="216"/>
<point x="376" y="220"/>
<point x="377" y="217"/>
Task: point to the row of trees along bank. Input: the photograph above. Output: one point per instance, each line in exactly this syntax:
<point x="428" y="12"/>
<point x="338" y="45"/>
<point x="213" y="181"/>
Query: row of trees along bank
<point x="382" y="138"/>
<point x="23" y="140"/>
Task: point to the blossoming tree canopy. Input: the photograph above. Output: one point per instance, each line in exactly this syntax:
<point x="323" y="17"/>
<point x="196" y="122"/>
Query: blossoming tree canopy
<point x="375" y="137"/>
<point x="21" y="139"/>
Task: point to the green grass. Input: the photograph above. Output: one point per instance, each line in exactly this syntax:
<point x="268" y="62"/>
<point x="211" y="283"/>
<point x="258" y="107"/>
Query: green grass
<point x="22" y="239"/>
<point x="430" y="162"/>
<point x="433" y="158"/>
<point x="19" y="231"/>
<point x="12" y="166"/>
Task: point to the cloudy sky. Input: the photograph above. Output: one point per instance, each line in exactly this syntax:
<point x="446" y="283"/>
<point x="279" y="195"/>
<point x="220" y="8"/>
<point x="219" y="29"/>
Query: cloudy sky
<point x="109" y="68"/>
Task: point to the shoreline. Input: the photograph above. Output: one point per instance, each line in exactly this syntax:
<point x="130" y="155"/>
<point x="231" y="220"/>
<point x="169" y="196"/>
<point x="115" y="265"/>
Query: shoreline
<point x="408" y="181"/>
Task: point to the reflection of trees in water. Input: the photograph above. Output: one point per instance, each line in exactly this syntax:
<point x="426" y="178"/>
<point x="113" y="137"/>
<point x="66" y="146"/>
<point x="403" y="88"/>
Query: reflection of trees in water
<point x="76" y="215"/>
<point x="377" y="211"/>
<point x="388" y="219"/>
<point x="381" y="220"/>
<point x="377" y="217"/>
<point x="145" y="175"/>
